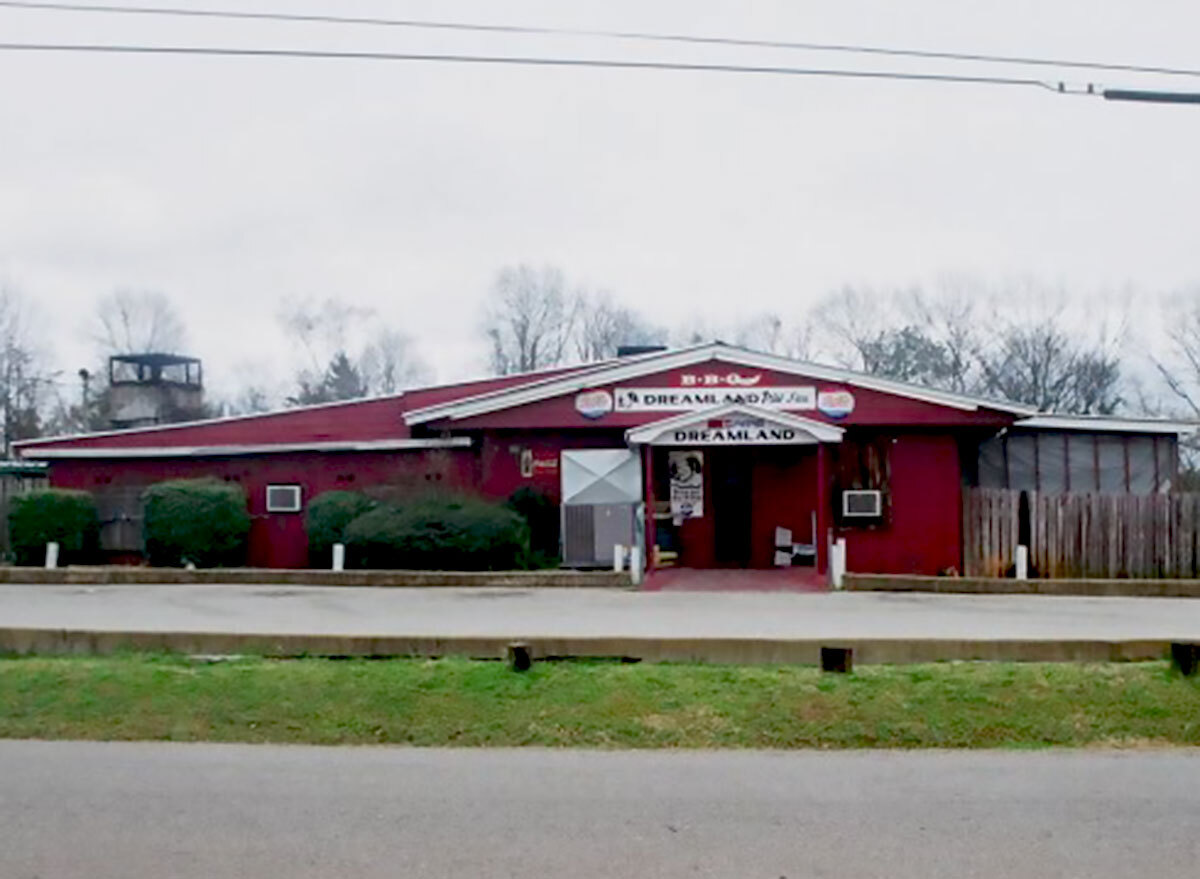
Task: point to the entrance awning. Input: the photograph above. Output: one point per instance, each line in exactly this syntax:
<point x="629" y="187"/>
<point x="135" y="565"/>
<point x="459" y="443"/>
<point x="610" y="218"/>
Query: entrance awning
<point x="734" y="425"/>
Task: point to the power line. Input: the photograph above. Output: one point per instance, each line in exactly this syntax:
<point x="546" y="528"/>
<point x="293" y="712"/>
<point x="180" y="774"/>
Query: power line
<point x="534" y="61"/>
<point x="607" y="34"/>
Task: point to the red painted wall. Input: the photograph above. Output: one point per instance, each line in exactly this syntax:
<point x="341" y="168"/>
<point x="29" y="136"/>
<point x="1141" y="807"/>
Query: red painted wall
<point x="278" y="540"/>
<point x="924" y="532"/>
<point x="785" y="495"/>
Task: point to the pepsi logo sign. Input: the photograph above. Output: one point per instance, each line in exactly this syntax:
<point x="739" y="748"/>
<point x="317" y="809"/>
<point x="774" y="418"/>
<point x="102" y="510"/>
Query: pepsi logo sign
<point x="594" y="404"/>
<point x="835" y="404"/>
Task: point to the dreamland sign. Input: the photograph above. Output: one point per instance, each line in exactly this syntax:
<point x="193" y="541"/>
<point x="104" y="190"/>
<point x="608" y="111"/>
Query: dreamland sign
<point x="767" y="435"/>
<point x="687" y="399"/>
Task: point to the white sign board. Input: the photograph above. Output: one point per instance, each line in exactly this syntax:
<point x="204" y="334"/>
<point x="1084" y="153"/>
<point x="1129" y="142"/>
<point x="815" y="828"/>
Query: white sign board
<point x="767" y="435"/>
<point x="687" y="484"/>
<point x="690" y="399"/>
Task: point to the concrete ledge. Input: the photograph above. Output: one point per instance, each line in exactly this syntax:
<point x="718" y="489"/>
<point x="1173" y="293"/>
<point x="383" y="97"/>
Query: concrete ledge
<point x="748" y="651"/>
<point x="1004" y="586"/>
<point x="118" y="575"/>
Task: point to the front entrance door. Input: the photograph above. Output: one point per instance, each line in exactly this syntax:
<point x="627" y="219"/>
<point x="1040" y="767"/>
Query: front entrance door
<point x="731" y="506"/>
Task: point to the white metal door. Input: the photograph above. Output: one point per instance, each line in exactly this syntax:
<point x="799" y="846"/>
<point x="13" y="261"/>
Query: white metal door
<point x="601" y="493"/>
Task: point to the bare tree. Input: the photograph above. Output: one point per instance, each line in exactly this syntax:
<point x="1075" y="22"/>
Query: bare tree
<point x="138" y="322"/>
<point x="320" y="330"/>
<point x="338" y="360"/>
<point x="250" y="399"/>
<point x="530" y="319"/>
<point x="1180" y="372"/>
<point x="949" y="318"/>
<point x="852" y="319"/>
<point x="695" y="331"/>
<point x="25" y="376"/>
<point x="389" y="364"/>
<point x="603" y="327"/>
<point x="1180" y="369"/>
<point x="770" y="333"/>
<point x="900" y="334"/>
<point x="764" y="332"/>
<point x="1027" y="349"/>
<point x="1042" y="355"/>
<point x="1034" y="365"/>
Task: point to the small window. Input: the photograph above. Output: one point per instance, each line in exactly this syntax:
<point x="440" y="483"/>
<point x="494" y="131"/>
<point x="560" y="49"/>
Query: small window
<point x="283" y="499"/>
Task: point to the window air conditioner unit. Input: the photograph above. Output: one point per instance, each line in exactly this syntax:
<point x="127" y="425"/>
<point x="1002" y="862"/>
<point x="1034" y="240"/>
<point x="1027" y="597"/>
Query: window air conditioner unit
<point x="862" y="504"/>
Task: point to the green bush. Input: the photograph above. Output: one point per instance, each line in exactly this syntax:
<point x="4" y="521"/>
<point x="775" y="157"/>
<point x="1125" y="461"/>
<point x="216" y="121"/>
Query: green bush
<point x="541" y="514"/>
<point x="57" y="515"/>
<point x="326" y="520"/>
<point x="439" y="533"/>
<point x="202" y="521"/>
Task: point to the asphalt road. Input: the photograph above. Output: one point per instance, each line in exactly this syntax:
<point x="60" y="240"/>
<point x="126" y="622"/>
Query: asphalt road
<point x="517" y="613"/>
<point x="100" y="810"/>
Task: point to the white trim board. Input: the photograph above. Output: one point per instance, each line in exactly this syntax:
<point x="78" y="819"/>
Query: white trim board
<point x="649" y="364"/>
<point x="1106" y="424"/>
<point x="92" y="452"/>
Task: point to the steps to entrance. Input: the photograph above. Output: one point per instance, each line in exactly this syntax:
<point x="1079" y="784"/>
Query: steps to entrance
<point x="735" y="580"/>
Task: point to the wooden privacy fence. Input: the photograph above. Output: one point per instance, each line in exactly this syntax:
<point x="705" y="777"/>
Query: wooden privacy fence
<point x="1083" y="535"/>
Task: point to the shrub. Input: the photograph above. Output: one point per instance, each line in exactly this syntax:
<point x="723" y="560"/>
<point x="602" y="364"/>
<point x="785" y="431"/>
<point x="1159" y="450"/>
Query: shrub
<point x="326" y="520"/>
<point x="202" y="521"/>
<point x="541" y="514"/>
<point x="57" y="515"/>
<point x="439" y="533"/>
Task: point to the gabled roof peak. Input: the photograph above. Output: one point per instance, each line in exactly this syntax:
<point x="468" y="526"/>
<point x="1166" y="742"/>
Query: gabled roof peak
<point x="611" y="372"/>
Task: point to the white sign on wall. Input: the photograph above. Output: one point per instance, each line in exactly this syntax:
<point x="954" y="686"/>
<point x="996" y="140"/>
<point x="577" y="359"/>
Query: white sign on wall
<point x="689" y="399"/>
<point x="770" y="435"/>
<point x="687" y="484"/>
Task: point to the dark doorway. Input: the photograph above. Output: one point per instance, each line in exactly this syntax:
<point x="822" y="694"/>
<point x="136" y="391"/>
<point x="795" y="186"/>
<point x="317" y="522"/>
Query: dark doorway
<point x="731" y="507"/>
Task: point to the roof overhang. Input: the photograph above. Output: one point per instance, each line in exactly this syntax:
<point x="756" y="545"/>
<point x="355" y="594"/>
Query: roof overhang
<point x="1106" y="424"/>
<point x="734" y="425"/>
<point x="127" y="452"/>
<point x="636" y="367"/>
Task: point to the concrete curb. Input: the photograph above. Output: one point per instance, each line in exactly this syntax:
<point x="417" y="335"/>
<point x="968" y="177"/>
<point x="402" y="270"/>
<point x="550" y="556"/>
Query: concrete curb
<point x="1005" y="586"/>
<point x="100" y="576"/>
<point x="748" y="651"/>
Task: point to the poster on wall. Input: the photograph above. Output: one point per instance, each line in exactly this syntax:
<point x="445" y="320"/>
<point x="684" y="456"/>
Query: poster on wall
<point x="687" y="484"/>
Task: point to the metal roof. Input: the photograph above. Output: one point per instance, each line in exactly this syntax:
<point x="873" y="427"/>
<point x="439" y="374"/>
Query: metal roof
<point x="1106" y="424"/>
<point x="634" y="367"/>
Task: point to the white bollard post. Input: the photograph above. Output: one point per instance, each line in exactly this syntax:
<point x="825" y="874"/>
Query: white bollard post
<point x="339" y="556"/>
<point x="635" y="565"/>
<point x="1022" y="562"/>
<point x="837" y="563"/>
<point x="618" y="557"/>
<point x="51" y="555"/>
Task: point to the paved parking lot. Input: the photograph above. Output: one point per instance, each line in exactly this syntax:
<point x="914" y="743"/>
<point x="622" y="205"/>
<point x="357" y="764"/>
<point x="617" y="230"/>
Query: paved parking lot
<point x="495" y="612"/>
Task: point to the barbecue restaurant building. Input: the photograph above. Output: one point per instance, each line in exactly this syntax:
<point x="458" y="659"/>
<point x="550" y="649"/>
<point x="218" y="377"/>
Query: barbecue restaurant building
<point x="707" y="456"/>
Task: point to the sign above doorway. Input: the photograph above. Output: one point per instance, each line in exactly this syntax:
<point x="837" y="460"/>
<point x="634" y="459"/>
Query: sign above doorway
<point x="734" y="425"/>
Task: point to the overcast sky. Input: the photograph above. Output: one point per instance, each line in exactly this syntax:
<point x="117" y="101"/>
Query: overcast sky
<point x="232" y="184"/>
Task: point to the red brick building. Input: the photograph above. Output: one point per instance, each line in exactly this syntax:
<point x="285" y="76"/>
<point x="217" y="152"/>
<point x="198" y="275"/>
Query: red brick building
<point x="704" y="453"/>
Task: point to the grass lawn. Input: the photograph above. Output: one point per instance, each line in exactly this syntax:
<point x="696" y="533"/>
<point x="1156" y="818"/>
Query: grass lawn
<point x="596" y="704"/>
